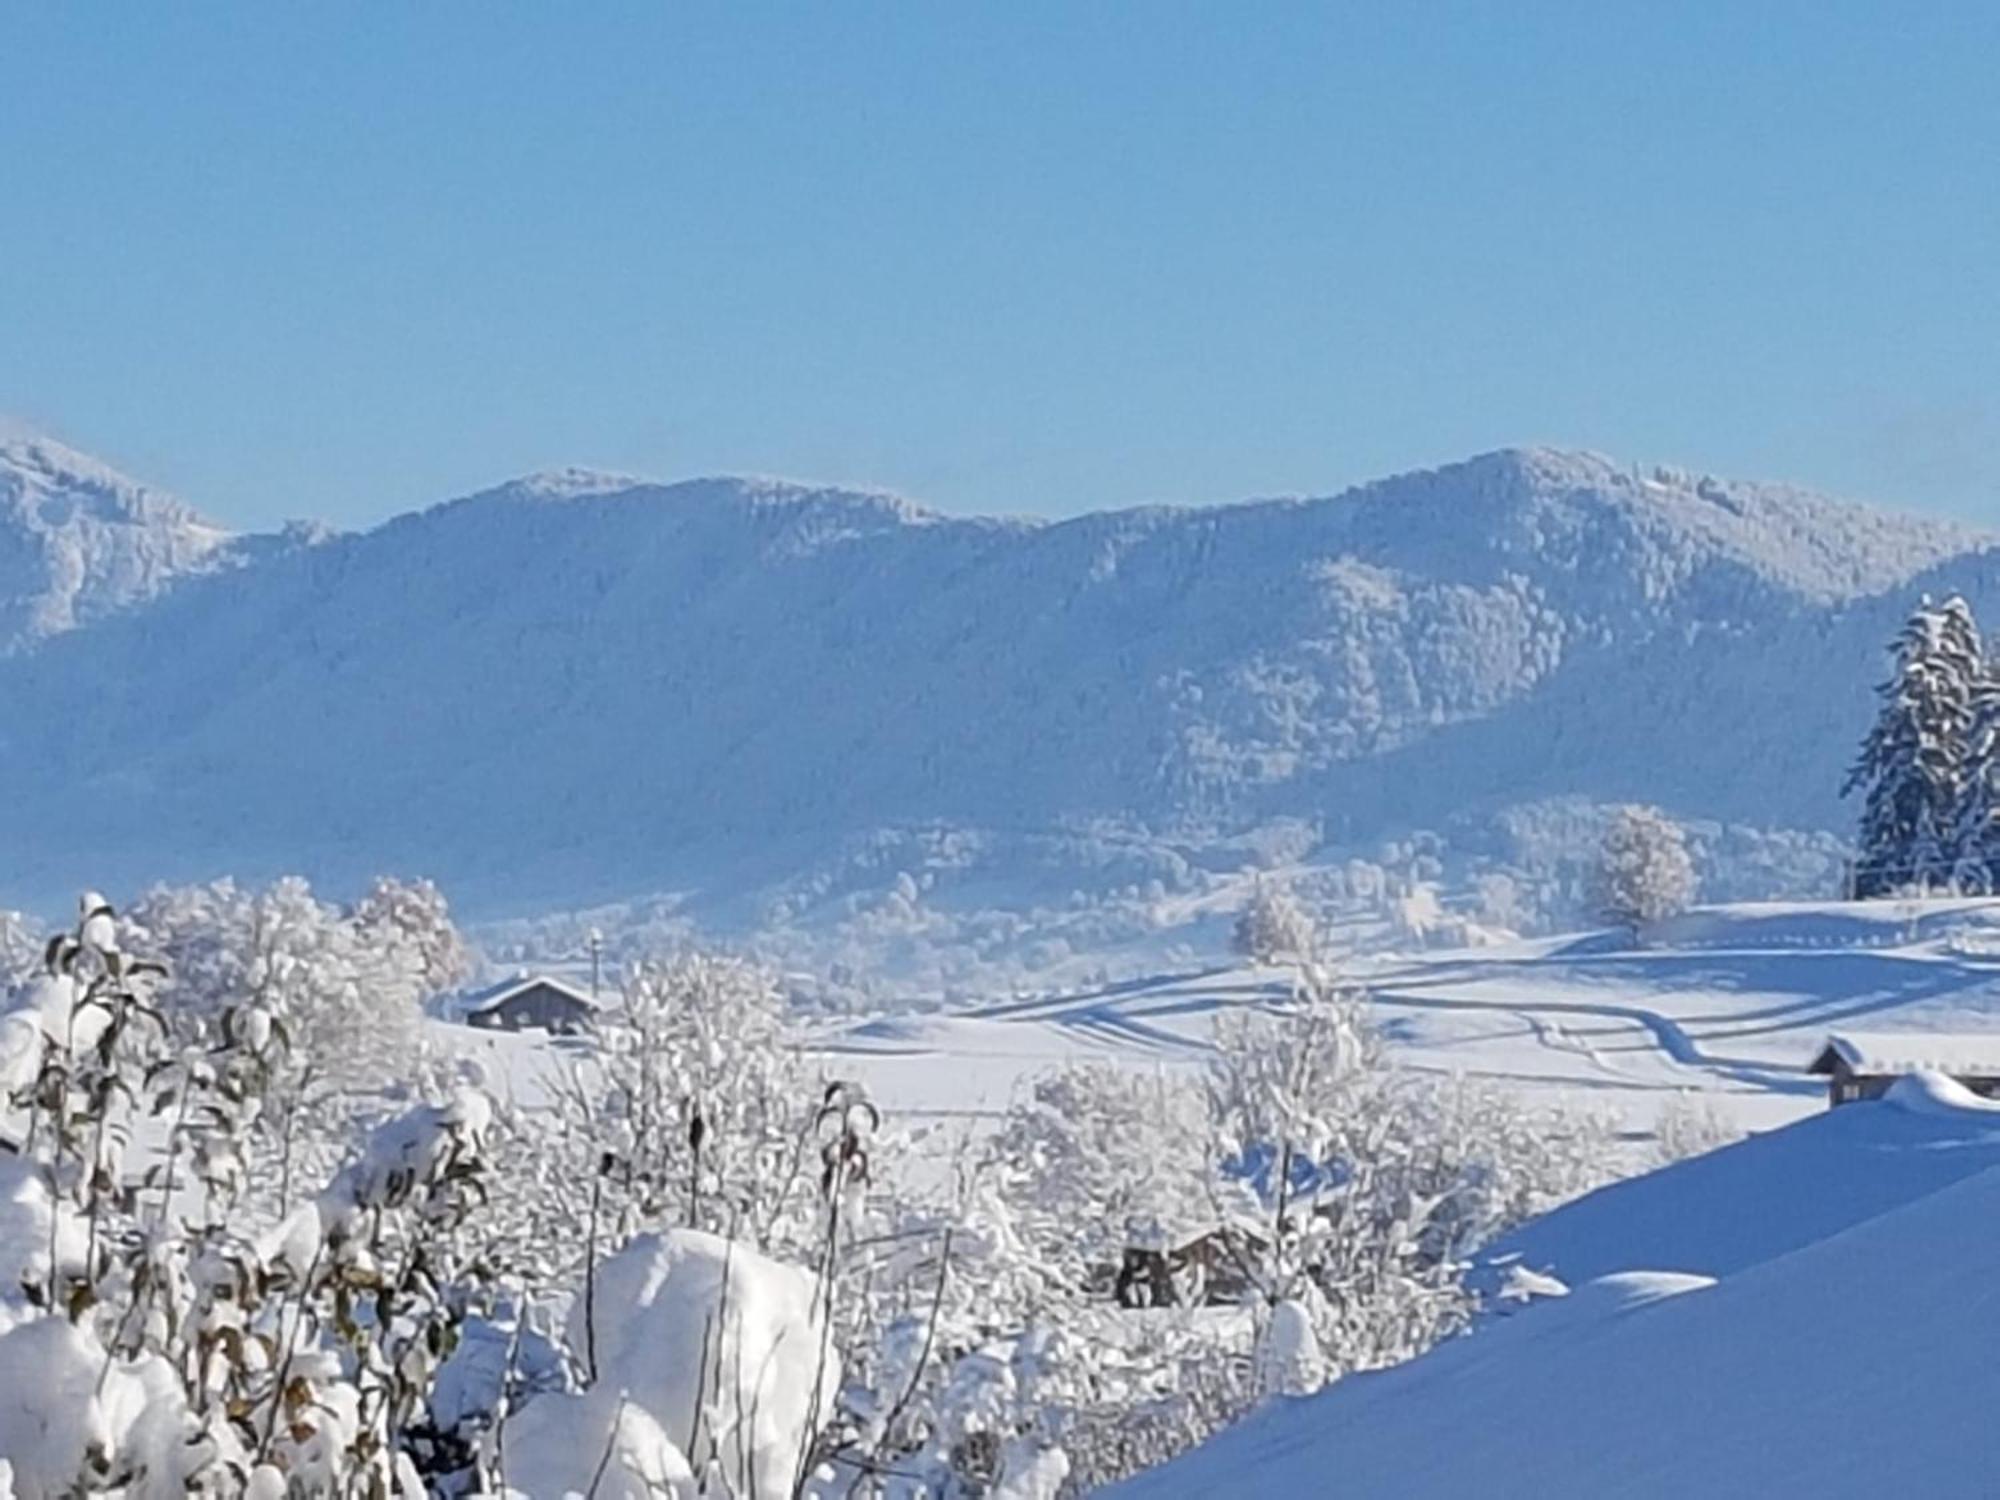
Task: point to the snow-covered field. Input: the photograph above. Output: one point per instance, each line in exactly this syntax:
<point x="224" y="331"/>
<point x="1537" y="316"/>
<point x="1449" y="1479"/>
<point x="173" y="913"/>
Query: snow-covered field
<point x="1726" y="1004"/>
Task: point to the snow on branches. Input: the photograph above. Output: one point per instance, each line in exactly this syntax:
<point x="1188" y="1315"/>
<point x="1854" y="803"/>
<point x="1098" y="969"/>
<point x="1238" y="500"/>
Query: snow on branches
<point x="1913" y="769"/>
<point x="1644" y="874"/>
<point x="1272" y="927"/>
<point x="690" y="1265"/>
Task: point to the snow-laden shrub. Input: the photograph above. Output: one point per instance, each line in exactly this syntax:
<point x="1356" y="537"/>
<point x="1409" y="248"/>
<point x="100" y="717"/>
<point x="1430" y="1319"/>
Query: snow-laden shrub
<point x="172" y="1348"/>
<point x="1308" y="1179"/>
<point x="694" y="1110"/>
<point x="1689" y="1126"/>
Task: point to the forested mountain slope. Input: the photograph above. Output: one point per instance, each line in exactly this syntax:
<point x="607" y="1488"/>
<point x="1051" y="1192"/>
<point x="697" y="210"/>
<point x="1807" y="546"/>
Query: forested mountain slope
<point x="587" y="683"/>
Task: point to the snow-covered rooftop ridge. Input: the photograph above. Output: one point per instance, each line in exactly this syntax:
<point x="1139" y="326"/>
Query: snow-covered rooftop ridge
<point x="1947" y="1052"/>
<point x="487" y="996"/>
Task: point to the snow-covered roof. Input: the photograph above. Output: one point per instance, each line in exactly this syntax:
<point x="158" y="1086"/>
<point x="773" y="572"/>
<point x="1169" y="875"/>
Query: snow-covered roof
<point x="507" y="989"/>
<point x="1959" y="1053"/>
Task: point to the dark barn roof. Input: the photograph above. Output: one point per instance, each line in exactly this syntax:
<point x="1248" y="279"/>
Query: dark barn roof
<point x="1884" y="1054"/>
<point x="494" y="996"/>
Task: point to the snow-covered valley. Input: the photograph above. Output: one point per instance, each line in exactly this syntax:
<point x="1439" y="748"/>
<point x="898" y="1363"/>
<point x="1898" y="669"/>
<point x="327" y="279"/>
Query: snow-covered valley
<point x="1073" y="990"/>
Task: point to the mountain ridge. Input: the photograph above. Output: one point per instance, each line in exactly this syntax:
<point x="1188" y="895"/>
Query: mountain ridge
<point x="581" y="672"/>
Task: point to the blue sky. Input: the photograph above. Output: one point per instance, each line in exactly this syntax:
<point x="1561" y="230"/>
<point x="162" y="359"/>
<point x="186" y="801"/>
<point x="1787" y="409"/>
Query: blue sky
<point x="345" y="260"/>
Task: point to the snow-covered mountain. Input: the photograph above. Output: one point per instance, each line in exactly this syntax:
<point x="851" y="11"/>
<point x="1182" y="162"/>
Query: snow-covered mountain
<point x="79" y="541"/>
<point x="581" y="685"/>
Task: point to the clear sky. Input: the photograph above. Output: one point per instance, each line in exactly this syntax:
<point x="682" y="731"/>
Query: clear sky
<point x="343" y="260"/>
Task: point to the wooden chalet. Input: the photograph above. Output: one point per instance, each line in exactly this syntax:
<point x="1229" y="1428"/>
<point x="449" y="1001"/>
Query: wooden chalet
<point x="1861" y="1065"/>
<point x="532" y="1002"/>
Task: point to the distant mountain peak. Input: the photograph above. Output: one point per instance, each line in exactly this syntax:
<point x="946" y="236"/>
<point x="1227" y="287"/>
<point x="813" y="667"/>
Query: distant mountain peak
<point x="79" y="540"/>
<point x="755" y="490"/>
<point x="570" y="482"/>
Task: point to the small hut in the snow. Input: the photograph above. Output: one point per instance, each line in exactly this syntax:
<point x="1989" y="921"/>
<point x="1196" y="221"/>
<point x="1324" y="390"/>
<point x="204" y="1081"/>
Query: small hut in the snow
<point x="529" y="1002"/>
<point x="1862" y="1064"/>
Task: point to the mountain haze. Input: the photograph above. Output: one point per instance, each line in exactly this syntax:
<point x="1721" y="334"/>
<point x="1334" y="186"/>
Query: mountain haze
<point x="581" y="682"/>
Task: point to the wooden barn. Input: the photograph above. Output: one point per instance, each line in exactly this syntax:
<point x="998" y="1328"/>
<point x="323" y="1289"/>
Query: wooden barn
<point x="1861" y="1065"/>
<point x="532" y="1002"/>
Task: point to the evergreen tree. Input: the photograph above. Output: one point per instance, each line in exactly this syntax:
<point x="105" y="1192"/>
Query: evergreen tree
<point x="1914" y="764"/>
<point x="1976" y="829"/>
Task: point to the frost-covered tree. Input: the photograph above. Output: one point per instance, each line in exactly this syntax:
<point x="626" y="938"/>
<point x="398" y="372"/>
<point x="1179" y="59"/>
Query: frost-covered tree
<point x="1913" y="766"/>
<point x="1360" y="1189"/>
<point x="1272" y="927"/>
<point x="1643" y="872"/>
<point x="348" y="994"/>
<point x="343" y="1002"/>
<point x="19" y="949"/>
<point x="412" y="918"/>
<point x="1103" y="1163"/>
<point x="1303" y="1174"/>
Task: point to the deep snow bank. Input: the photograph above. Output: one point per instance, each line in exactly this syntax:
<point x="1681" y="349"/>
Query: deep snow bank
<point x="707" y="1353"/>
<point x="1754" y="1385"/>
<point x="1769" y="1194"/>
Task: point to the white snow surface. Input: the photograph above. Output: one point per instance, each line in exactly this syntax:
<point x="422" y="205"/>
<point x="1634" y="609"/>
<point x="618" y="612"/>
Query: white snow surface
<point x="707" y="1351"/>
<point x="1723" y="1008"/>
<point x="1870" y="1337"/>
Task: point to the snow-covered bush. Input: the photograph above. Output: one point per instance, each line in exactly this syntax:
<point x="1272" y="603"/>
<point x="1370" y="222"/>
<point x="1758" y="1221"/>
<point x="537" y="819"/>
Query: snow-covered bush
<point x="152" y="1340"/>
<point x="695" y="1110"/>
<point x="1644" y="873"/>
<point x="1096" y="1160"/>
<point x="1332" y="1197"/>
<point x="1691" y="1126"/>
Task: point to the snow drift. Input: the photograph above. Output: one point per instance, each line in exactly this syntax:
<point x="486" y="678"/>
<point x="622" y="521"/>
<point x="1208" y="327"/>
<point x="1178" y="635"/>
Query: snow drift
<point x="1646" y="1386"/>
<point x="708" y="1355"/>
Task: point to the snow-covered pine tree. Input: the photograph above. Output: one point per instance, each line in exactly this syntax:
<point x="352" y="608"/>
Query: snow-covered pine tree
<point x="1644" y="872"/>
<point x="1976" y="827"/>
<point x="1914" y="764"/>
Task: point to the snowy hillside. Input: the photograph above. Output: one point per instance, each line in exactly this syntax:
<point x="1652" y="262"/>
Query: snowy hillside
<point x="581" y="686"/>
<point x="1860" y="1333"/>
